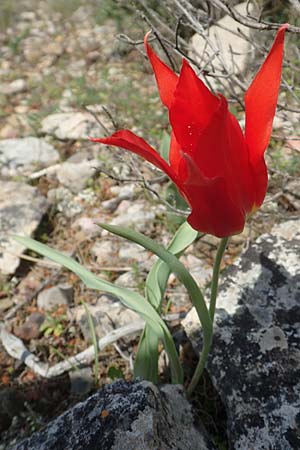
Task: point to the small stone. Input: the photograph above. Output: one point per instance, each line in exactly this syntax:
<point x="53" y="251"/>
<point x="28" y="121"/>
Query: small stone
<point x="138" y="215"/>
<point x="81" y="381"/>
<point x="31" y="328"/>
<point x="15" y="87"/>
<point x="104" y="251"/>
<point x="62" y="294"/>
<point x="75" y="176"/>
<point x="108" y="313"/>
<point x="5" y="303"/>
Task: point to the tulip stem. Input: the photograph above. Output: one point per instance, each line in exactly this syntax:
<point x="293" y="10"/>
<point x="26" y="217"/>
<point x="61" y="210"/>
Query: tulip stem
<point x="215" y="277"/>
<point x="213" y="297"/>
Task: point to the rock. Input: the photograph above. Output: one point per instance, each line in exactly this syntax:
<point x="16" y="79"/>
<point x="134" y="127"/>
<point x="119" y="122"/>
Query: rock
<point x="255" y="358"/>
<point x="31" y="328"/>
<point x="11" y="404"/>
<point x="26" y="154"/>
<point x="108" y="313"/>
<point x="197" y="269"/>
<point x="21" y="210"/>
<point x="81" y="381"/>
<point x="61" y="294"/>
<point x="88" y="226"/>
<point x="104" y="251"/>
<point x="15" y="87"/>
<point x="75" y="125"/>
<point x="128" y="280"/>
<point x="5" y="304"/>
<point x="71" y="205"/>
<point x="226" y="40"/>
<point x="125" y="416"/>
<point x="75" y="176"/>
<point x="125" y="193"/>
<point x="137" y="214"/>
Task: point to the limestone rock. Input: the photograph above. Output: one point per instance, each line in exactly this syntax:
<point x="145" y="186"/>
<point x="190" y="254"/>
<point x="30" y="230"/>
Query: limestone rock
<point x="227" y="49"/>
<point x="108" y="313"/>
<point x="21" y="210"/>
<point x="54" y="296"/>
<point x="75" y="125"/>
<point x="14" y="87"/>
<point x="255" y="359"/>
<point x="124" y="416"/>
<point x="26" y="154"/>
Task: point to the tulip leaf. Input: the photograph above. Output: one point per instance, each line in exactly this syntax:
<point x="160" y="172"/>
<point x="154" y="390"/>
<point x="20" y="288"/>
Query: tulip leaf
<point x="129" y="298"/>
<point x="158" y="276"/>
<point x="164" y="146"/>
<point x="146" y="359"/>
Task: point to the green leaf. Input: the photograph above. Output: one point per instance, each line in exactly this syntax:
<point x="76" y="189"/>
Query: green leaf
<point x="146" y="360"/>
<point x="164" y="146"/>
<point x="129" y="298"/>
<point x="158" y="276"/>
<point x="115" y="373"/>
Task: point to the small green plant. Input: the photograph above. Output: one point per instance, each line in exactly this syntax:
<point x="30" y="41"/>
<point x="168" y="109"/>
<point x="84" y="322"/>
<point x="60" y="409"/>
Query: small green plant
<point x="53" y="325"/>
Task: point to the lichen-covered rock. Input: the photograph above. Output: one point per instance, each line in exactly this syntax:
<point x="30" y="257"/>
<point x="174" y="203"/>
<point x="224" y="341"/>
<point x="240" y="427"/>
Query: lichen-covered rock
<point x="255" y="359"/>
<point x="124" y="416"/>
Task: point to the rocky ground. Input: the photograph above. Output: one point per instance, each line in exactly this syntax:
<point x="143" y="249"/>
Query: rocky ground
<point x="65" y="75"/>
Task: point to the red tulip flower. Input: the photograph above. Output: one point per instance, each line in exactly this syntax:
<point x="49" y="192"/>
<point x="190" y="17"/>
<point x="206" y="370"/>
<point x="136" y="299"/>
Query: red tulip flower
<point x="218" y="168"/>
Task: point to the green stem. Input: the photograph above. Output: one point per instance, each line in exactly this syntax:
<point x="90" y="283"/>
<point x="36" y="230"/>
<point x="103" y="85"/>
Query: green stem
<point x="215" y="277"/>
<point x="212" y="306"/>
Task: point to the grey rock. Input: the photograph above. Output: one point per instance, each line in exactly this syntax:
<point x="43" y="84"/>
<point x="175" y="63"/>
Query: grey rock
<point x="104" y="251"/>
<point x="75" y="125"/>
<point x="15" y="87"/>
<point x="138" y="214"/>
<point x="71" y="205"/>
<point x="21" y="210"/>
<point x="26" y="154"/>
<point x="124" y="416"/>
<point x="255" y="359"/>
<point x="108" y="313"/>
<point x="81" y="381"/>
<point x="61" y="294"/>
<point x="75" y="176"/>
<point x="233" y="48"/>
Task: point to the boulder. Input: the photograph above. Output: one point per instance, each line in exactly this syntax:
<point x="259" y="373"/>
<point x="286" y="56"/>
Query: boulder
<point x="255" y="359"/>
<point x="125" y="416"/>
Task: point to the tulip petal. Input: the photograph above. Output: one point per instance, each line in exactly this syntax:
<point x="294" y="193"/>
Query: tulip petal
<point x="130" y="141"/>
<point x="175" y="155"/>
<point x="192" y="109"/>
<point x="166" y="79"/>
<point x="213" y="210"/>
<point x="261" y="99"/>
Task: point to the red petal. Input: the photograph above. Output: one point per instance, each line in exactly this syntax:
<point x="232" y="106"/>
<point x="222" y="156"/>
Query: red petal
<point x="213" y="211"/>
<point x="261" y="99"/>
<point x="192" y="108"/>
<point x="166" y="79"/>
<point x="175" y="155"/>
<point x="130" y="141"/>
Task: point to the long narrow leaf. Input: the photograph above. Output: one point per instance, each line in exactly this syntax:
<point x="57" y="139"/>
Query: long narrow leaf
<point x="129" y="298"/>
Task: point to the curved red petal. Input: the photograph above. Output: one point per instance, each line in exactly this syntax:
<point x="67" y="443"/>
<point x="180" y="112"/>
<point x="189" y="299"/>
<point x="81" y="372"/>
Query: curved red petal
<point x="192" y="108"/>
<point x="260" y="177"/>
<point x="213" y="211"/>
<point x="130" y="141"/>
<point x="175" y="154"/>
<point x="261" y="99"/>
<point x="166" y="79"/>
